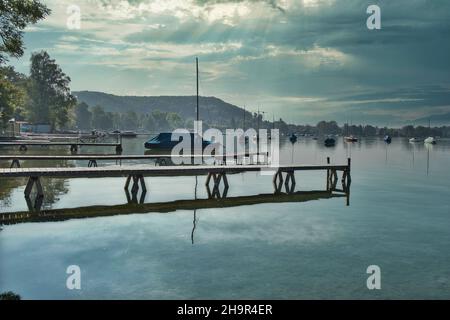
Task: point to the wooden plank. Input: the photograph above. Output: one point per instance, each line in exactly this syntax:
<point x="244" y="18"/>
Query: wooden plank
<point x="146" y="170"/>
<point x="110" y="157"/>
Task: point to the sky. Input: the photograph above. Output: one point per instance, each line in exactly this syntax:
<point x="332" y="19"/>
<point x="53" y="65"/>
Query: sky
<point x="301" y="60"/>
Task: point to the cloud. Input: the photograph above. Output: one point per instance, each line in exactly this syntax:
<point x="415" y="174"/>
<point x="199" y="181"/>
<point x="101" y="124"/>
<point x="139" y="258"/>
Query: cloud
<point x="277" y="51"/>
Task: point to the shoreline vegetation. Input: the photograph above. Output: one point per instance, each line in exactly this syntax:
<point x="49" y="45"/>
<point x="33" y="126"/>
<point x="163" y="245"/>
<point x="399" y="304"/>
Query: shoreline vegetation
<point x="9" y="296"/>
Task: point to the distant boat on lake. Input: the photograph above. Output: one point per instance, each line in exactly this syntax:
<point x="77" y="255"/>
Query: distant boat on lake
<point x="387" y="139"/>
<point x="351" y="139"/>
<point x="293" y="138"/>
<point x="125" y="134"/>
<point x="330" y="142"/>
<point x="430" y="140"/>
<point x="414" y="140"/>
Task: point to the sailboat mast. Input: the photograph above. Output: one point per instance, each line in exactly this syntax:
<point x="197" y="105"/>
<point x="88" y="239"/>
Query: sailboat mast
<point x="198" y="116"/>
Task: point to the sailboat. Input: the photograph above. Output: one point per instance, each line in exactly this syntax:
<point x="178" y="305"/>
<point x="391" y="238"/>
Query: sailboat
<point x="293" y="138"/>
<point x="163" y="141"/>
<point x="430" y="140"/>
<point x="350" y="138"/>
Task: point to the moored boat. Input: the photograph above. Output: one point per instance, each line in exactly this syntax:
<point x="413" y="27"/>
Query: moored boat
<point x="163" y="141"/>
<point x="430" y="140"/>
<point x="351" y="139"/>
<point x="387" y="139"/>
<point x="414" y="140"/>
<point x="330" y="142"/>
<point x="293" y="138"/>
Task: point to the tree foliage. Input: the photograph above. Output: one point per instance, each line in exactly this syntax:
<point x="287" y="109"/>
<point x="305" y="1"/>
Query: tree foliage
<point x="15" y="15"/>
<point x="83" y="116"/>
<point x="50" y="98"/>
<point x="12" y="94"/>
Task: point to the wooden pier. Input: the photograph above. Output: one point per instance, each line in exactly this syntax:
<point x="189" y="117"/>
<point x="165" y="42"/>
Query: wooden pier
<point x="283" y="176"/>
<point x="23" y="145"/>
<point x="162" y="159"/>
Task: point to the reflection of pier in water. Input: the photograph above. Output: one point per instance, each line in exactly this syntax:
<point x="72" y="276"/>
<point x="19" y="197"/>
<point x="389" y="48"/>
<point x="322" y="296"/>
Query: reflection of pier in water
<point x="166" y="207"/>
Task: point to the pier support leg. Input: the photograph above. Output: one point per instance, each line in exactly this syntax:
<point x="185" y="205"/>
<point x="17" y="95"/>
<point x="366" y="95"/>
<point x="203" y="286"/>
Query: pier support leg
<point x="217" y="179"/>
<point x="73" y="148"/>
<point x="15" y="163"/>
<point x="92" y="164"/>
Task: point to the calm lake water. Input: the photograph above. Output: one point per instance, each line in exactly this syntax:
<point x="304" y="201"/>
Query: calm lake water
<point x="398" y="219"/>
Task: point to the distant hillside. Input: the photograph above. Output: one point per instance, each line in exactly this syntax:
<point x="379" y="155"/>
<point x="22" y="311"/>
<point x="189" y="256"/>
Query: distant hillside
<point x="435" y="120"/>
<point x="212" y="110"/>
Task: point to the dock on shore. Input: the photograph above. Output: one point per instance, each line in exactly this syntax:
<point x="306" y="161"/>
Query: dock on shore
<point x="23" y="145"/>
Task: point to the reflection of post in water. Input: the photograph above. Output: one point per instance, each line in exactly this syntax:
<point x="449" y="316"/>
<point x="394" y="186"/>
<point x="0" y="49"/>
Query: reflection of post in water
<point x="292" y="154"/>
<point x="386" y="160"/>
<point x="133" y="197"/>
<point x="195" y="212"/>
<point x="36" y="188"/>
<point x="429" y="148"/>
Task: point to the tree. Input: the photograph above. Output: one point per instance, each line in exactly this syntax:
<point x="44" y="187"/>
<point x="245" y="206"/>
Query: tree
<point x="101" y="119"/>
<point x="15" y="15"/>
<point x="130" y="120"/>
<point x="160" y="120"/>
<point x="174" y="120"/>
<point x="83" y="117"/>
<point x="12" y="95"/>
<point x="149" y="122"/>
<point x="51" y="100"/>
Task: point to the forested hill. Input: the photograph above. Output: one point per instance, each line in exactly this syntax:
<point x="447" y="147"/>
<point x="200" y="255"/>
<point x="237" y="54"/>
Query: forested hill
<point x="212" y="110"/>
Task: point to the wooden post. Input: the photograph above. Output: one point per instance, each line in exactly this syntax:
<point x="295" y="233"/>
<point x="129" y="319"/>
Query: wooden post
<point x="328" y="175"/>
<point x="127" y="183"/>
<point x="143" y="186"/>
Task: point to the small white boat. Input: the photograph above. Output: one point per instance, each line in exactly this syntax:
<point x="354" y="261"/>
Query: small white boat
<point x="414" y="140"/>
<point x="430" y="140"/>
<point x="351" y="139"/>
